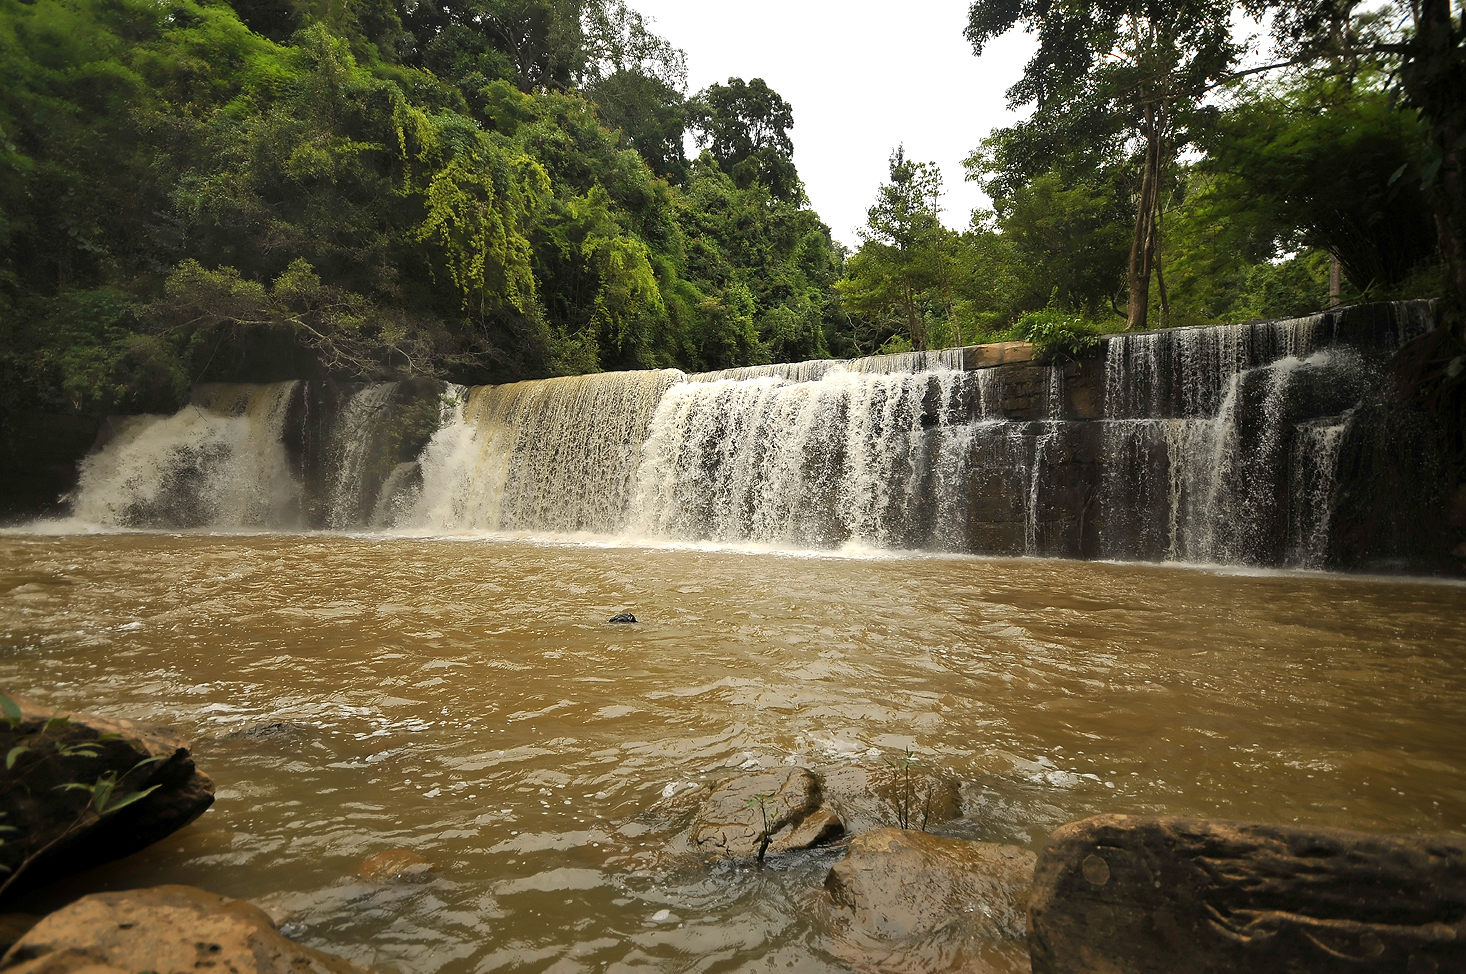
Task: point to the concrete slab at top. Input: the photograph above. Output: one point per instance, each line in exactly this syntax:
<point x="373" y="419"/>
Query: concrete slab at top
<point x="998" y="353"/>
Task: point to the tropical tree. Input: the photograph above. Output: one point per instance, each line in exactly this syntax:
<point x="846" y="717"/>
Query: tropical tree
<point x="1112" y="77"/>
<point x="745" y="127"/>
<point x="904" y="264"/>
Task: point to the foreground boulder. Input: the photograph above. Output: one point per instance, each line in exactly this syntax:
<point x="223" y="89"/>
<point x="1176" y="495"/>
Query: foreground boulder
<point x="733" y="816"/>
<point x="906" y="900"/>
<point x="59" y="829"/>
<point x="1124" y="895"/>
<point x="167" y="928"/>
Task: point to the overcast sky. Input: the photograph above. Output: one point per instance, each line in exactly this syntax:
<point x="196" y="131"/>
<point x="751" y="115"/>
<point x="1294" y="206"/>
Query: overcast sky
<point x="863" y="78"/>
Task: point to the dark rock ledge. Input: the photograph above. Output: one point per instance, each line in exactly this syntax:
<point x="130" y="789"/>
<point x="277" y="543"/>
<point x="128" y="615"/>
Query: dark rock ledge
<point x="57" y="829"/>
<point x="1129" y="895"/>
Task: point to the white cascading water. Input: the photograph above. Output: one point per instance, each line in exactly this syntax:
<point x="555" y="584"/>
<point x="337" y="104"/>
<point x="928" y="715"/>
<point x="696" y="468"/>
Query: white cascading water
<point x="219" y="462"/>
<point x="841" y="459"/>
<point x="356" y="432"/>
<point x="1216" y="445"/>
<point x="1212" y="401"/>
<point x="548" y="455"/>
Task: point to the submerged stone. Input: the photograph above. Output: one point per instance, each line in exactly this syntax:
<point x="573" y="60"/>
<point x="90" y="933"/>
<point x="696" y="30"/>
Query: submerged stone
<point x="396" y="866"/>
<point x="622" y="617"/>
<point x="907" y="900"/>
<point x="275" y="730"/>
<point x="874" y="796"/>
<point x="1140" y="894"/>
<point x="166" y="928"/>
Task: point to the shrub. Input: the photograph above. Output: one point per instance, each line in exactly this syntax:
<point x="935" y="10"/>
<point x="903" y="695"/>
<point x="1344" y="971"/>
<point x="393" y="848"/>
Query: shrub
<point x="1057" y="336"/>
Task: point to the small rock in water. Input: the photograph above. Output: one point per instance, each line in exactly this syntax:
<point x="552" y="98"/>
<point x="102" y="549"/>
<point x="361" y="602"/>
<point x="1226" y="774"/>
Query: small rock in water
<point x="397" y="866"/>
<point x="872" y="796"/>
<point x="622" y="617"/>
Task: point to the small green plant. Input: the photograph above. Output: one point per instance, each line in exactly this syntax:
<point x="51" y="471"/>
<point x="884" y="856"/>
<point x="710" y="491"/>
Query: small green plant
<point x="905" y="797"/>
<point x="1057" y="336"/>
<point x="763" y="809"/>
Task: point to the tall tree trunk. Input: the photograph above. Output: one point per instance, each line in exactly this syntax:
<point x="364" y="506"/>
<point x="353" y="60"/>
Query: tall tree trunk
<point x="1155" y="259"/>
<point x="913" y="327"/>
<point x="1434" y="77"/>
<point x="1336" y="281"/>
<point x="1140" y="245"/>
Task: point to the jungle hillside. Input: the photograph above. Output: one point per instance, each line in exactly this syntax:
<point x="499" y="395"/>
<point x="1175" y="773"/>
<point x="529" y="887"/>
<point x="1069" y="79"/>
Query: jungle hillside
<point x="492" y="190"/>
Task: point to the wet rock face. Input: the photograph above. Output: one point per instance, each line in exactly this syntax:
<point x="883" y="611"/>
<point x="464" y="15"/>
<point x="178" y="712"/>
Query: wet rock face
<point x="1140" y="895"/>
<point x="731" y="820"/>
<point x="60" y="825"/>
<point x="873" y="796"/>
<point x="167" y="928"/>
<point x="907" y="900"/>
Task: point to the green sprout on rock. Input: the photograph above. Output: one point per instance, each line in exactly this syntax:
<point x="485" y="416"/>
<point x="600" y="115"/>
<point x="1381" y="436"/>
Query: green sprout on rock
<point x="905" y="799"/>
<point x="763" y="809"/>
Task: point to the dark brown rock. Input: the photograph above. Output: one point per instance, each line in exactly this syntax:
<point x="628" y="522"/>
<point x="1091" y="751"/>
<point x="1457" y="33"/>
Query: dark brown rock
<point x="166" y="928"/>
<point x="731" y="820"/>
<point x="1130" y="895"/>
<point x="58" y="829"/>
<point x="908" y="900"/>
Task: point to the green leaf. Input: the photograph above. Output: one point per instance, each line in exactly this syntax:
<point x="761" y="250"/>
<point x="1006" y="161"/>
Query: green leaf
<point x="135" y="796"/>
<point x="102" y="791"/>
<point x="14" y="753"/>
<point x="11" y="710"/>
<point x="86" y="749"/>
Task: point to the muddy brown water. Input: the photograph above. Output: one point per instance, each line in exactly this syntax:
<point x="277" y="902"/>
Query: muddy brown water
<point x="467" y="699"/>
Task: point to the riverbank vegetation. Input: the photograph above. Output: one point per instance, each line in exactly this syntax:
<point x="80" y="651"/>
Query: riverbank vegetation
<point x="490" y="190"/>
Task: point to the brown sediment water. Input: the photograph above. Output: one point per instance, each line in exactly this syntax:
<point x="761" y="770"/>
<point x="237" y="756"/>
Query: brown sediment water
<point x="467" y="699"/>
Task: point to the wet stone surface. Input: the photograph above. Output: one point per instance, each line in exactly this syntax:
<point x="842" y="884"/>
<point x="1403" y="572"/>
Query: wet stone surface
<point x="1153" y="895"/>
<point x="785" y="802"/>
<point x="908" y="900"/>
<point x="165" y="928"/>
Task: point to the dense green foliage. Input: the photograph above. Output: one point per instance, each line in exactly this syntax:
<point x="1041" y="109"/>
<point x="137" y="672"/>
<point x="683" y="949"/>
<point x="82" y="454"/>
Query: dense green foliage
<point x="192" y="191"/>
<point x="489" y="190"/>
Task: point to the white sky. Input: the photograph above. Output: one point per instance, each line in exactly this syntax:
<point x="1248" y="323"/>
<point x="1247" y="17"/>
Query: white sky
<point x="863" y="78"/>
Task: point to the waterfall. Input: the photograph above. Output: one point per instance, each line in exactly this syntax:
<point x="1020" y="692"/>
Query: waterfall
<point x="219" y="462"/>
<point x="1205" y="445"/>
<point x="551" y="455"/>
<point x="841" y="459"/>
<point x="357" y="432"/>
<point x="1238" y="408"/>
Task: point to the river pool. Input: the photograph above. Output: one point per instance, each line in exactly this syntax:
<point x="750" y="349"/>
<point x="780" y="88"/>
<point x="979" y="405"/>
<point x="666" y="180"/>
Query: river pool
<point x="466" y="698"/>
